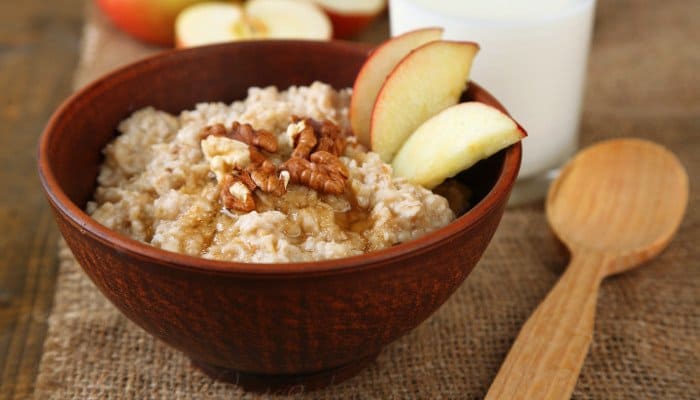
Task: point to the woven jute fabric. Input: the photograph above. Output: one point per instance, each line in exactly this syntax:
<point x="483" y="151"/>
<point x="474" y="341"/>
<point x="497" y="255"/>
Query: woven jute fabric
<point x="643" y="81"/>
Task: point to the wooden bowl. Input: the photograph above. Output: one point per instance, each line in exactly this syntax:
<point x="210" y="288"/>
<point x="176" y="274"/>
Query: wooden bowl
<point x="261" y="325"/>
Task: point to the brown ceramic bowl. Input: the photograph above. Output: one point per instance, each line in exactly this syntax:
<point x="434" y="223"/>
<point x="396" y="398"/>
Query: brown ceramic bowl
<point x="262" y="325"/>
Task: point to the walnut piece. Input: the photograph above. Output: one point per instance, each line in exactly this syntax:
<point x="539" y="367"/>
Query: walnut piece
<point x="240" y="167"/>
<point x="254" y="137"/>
<point x="235" y="194"/>
<point x="321" y="177"/>
<point x="225" y="155"/>
<point x="305" y="141"/>
<point x="213" y="130"/>
<point x="247" y="180"/>
<point x="256" y="157"/>
<point x="314" y="161"/>
<point x="330" y="162"/>
<point x="243" y="133"/>
<point x="330" y="138"/>
<point x="265" y="177"/>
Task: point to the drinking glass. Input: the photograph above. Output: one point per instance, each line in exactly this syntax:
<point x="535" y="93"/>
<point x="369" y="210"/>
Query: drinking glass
<point x="533" y="59"/>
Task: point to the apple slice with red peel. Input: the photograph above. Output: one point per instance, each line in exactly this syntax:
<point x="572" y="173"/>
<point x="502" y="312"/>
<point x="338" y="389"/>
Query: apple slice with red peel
<point x="374" y="72"/>
<point x="151" y="21"/>
<point x="425" y="82"/>
<point x="350" y="17"/>
<point x="454" y="140"/>
<point x="217" y="22"/>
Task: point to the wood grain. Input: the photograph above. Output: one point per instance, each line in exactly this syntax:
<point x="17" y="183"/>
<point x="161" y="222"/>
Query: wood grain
<point x="616" y="205"/>
<point x="38" y="52"/>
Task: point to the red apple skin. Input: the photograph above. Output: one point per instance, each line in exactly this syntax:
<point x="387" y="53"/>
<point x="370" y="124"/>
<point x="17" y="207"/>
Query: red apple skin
<point x="347" y="23"/>
<point x="179" y="44"/>
<point x="346" y="26"/>
<point x="363" y="138"/>
<point x="149" y="20"/>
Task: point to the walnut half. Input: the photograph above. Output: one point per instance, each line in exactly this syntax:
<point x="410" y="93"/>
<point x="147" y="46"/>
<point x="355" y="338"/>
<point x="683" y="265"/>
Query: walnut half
<point x="326" y="178"/>
<point x="243" y="133"/>
<point x="266" y="178"/>
<point x="236" y="193"/>
<point x="314" y="161"/>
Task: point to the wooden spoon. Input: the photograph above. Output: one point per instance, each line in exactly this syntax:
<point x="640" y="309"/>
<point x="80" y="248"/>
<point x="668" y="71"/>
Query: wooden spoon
<point x="615" y="205"/>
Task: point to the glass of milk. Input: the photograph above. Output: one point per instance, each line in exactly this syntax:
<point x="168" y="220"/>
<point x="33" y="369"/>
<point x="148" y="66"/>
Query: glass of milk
<point x="533" y="59"/>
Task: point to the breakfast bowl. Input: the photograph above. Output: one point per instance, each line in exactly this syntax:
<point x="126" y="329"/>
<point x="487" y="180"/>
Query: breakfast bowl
<point x="261" y="325"/>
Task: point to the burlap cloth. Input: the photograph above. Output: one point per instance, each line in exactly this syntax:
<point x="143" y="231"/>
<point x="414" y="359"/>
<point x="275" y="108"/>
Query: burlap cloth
<point x="644" y="81"/>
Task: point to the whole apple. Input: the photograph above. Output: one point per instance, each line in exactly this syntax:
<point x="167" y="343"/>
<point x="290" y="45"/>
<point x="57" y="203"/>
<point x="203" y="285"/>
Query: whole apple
<point x="149" y="20"/>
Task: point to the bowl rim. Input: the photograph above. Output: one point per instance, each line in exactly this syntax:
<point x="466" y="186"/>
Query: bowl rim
<point x="151" y="254"/>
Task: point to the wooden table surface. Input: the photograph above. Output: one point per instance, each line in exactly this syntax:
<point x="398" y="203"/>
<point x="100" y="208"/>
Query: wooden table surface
<point x="39" y="45"/>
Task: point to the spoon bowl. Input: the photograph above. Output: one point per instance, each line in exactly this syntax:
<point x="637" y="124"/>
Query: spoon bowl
<point x="624" y="197"/>
<point x="615" y="205"/>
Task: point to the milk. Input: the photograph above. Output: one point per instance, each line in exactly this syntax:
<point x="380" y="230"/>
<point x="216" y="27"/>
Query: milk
<point x="495" y="9"/>
<point x="533" y="59"/>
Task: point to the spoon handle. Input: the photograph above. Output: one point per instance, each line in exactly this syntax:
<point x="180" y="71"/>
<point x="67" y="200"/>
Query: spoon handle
<point x="547" y="356"/>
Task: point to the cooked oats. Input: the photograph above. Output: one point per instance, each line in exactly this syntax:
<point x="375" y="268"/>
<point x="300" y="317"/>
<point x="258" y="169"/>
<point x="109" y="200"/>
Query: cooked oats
<point x="157" y="186"/>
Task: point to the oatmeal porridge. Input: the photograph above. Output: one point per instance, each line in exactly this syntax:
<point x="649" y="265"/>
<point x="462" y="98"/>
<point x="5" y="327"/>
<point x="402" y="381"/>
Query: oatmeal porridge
<point x="272" y="178"/>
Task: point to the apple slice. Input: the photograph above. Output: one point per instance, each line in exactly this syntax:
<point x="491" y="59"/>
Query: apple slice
<point x="428" y="80"/>
<point x="290" y="19"/>
<point x="454" y="140"/>
<point x="151" y="21"/>
<point x="207" y="23"/>
<point x="374" y="72"/>
<point x="216" y="22"/>
<point x="350" y="17"/>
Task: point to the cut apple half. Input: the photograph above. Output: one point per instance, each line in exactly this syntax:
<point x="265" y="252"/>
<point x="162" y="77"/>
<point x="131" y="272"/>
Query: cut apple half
<point x="283" y="19"/>
<point x="350" y="17"/>
<point x="428" y="80"/>
<point x="206" y="23"/>
<point x="454" y="140"/>
<point x="216" y="22"/>
<point x="374" y="72"/>
<point x="151" y="21"/>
